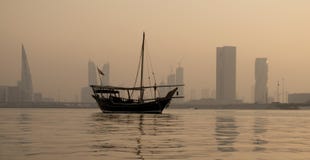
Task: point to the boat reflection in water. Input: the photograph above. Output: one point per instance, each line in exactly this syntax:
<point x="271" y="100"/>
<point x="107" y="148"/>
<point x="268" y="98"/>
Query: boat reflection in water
<point x="137" y="136"/>
<point x="259" y="130"/>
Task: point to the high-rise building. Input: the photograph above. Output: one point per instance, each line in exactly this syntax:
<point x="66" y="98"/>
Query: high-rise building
<point x="171" y="79"/>
<point x="92" y="73"/>
<point x="25" y="86"/>
<point x="261" y="79"/>
<point x="162" y="90"/>
<point x="13" y="94"/>
<point x="86" y="92"/>
<point x="106" y="77"/>
<point x="179" y="79"/>
<point x="226" y="74"/>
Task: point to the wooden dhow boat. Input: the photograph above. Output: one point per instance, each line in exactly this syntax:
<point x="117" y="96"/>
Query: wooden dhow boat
<point x="110" y="99"/>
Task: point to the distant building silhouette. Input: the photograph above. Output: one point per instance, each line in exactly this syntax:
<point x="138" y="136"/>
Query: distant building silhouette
<point x="261" y="79"/>
<point x="106" y="77"/>
<point x="23" y="92"/>
<point x="37" y="97"/>
<point x="26" y="89"/>
<point x="299" y="98"/>
<point x="226" y="74"/>
<point x="179" y="78"/>
<point x="205" y="93"/>
<point x="86" y="92"/>
<point x="3" y="92"/>
<point x="162" y="90"/>
<point x="92" y="73"/>
<point x="171" y="80"/>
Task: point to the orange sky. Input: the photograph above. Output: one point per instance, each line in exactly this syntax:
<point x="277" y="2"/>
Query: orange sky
<point x="60" y="36"/>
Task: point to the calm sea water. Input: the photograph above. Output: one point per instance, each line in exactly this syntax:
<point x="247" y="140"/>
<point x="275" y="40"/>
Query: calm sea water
<point x="176" y="134"/>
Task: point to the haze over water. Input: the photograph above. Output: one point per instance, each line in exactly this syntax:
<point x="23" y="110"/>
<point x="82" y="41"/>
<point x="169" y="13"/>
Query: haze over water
<point x="61" y="36"/>
<point x="175" y="134"/>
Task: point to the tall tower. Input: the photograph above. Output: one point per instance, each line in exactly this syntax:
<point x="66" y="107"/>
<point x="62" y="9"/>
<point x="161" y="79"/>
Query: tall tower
<point x="106" y="77"/>
<point x="92" y="73"/>
<point x="261" y="79"/>
<point x="26" y="89"/>
<point x="226" y="74"/>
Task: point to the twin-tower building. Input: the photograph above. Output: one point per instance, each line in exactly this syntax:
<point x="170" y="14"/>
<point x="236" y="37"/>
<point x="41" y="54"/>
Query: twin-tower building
<point x="86" y="92"/>
<point x="226" y="77"/>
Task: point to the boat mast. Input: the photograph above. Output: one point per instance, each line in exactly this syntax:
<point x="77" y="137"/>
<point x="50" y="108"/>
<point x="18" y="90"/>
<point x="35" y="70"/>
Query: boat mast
<point x="142" y="64"/>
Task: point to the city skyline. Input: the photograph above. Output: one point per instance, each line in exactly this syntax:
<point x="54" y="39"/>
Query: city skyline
<point x="226" y="59"/>
<point x="59" y="45"/>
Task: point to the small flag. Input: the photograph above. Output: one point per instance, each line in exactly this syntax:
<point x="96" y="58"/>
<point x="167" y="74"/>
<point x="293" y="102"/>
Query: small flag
<point x="99" y="71"/>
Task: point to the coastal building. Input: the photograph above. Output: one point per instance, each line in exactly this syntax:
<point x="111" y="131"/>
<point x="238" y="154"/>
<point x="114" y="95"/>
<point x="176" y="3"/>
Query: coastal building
<point x="14" y="94"/>
<point x="92" y="73"/>
<point x="171" y="79"/>
<point x="179" y="78"/>
<point x="23" y="91"/>
<point x="25" y="85"/>
<point x="226" y="74"/>
<point x="86" y="92"/>
<point x="3" y="94"/>
<point x="299" y="98"/>
<point x="162" y="90"/>
<point x="37" y="97"/>
<point x="261" y="79"/>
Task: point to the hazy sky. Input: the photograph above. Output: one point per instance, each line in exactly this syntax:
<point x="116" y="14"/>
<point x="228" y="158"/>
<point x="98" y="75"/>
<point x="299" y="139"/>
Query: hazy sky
<point x="60" y="36"/>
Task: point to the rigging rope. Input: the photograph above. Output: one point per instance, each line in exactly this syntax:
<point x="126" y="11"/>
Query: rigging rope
<point x="139" y="65"/>
<point x="153" y="73"/>
<point x="148" y="67"/>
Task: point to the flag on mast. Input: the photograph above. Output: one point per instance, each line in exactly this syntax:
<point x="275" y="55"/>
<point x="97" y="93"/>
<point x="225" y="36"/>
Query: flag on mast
<point x="99" y="71"/>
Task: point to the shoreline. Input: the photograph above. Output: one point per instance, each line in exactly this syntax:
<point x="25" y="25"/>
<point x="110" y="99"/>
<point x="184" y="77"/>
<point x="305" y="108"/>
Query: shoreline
<point x="272" y="106"/>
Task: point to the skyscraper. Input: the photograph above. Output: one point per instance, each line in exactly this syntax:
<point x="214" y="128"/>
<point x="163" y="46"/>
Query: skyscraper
<point x="106" y="77"/>
<point x="261" y="78"/>
<point x="26" y="89"/>
<point x="86" y="92"/>
<point x="162" y="90"/>
<point x="171" y="79"/>
<point x="92" y="73"/>
<point x="226" y="74"/>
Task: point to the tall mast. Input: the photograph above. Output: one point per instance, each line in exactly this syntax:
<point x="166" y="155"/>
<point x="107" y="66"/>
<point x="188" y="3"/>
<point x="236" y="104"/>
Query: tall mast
<point x="142" y="64"/>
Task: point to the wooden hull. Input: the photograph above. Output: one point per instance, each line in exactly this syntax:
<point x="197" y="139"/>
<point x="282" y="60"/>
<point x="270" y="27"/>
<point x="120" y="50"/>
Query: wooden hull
<point x="156" y="106"/>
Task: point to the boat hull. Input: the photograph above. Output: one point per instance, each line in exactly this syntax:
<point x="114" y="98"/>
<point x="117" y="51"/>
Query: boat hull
<point x="156" y="106"/>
